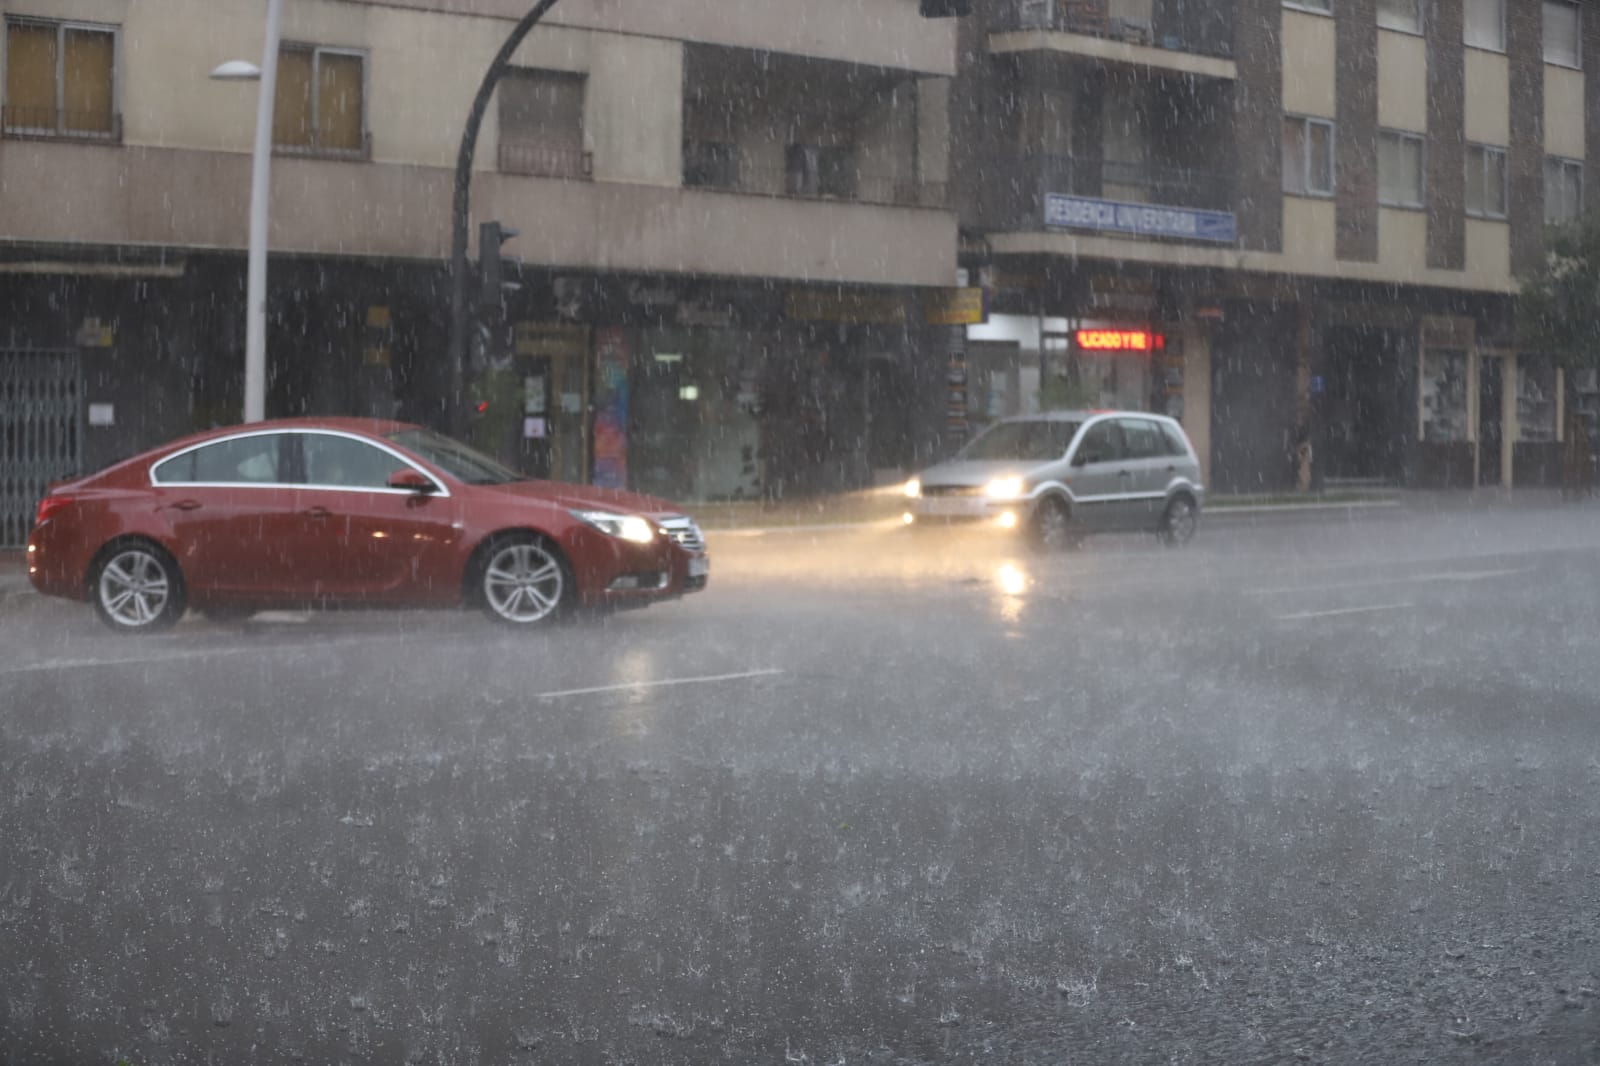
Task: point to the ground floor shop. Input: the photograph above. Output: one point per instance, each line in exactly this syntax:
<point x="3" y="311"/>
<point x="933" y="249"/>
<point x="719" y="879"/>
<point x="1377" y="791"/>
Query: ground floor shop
<point x="694" y="389"/>
<point x="1286" y="385"/>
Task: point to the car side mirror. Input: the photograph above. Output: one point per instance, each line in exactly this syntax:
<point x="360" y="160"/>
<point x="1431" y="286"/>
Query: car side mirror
<point x="411" y="481"/>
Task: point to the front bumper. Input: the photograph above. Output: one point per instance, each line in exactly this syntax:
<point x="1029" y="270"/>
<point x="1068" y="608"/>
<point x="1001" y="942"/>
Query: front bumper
<point x="936" y="510"/>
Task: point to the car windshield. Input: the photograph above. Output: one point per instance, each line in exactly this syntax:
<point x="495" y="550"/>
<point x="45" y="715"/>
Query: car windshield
<point x="1036" y="440"/>
<point x="455" y="458"/>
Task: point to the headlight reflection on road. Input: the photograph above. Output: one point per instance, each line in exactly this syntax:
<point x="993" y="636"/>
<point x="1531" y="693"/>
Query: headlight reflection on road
<point x="1011" y="579"/>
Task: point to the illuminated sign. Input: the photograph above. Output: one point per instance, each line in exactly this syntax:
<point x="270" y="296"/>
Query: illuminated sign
<point x="1119" y="340"/>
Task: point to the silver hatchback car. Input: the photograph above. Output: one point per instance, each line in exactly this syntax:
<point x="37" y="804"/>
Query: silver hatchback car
<point x="1061" y="474"/>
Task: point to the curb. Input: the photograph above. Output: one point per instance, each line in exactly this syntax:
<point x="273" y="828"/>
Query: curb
<point x="1210" y="514"/>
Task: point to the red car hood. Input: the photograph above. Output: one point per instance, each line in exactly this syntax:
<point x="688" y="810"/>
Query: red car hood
<point x="587" y="496"/>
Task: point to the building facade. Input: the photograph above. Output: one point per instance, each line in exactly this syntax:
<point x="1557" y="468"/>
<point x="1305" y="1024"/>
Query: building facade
<point x="729" y="220"/>
<point x="1317" y="212"/>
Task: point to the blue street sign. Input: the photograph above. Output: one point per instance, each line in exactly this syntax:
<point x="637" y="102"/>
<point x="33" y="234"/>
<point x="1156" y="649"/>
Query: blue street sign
<point x="1144" y="220"/>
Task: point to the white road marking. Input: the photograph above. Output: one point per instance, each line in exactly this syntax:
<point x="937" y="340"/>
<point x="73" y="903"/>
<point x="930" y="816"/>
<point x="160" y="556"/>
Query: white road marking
<point x="1304" y="615"/>
<point x="182" y="655"/>
<point x="709" y="679"/>
<point x="1444" y="575"/>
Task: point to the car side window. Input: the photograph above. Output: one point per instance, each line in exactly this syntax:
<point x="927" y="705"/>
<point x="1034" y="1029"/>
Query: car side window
<point x="343" y="462"/>
<point x="1174" y="440"/>
<point x="1102" y="443"/>
<point x="1142" y="438"/>
<point x="254" y="460"/>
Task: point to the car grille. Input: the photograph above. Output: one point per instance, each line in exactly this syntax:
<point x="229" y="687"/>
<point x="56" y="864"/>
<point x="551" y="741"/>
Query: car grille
<point x="684" y="533"/>
<point x="952" y="490"/>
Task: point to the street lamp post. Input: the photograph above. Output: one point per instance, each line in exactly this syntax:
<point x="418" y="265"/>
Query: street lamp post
<point x="255" y="343"/>
<point x="461" y="212"/>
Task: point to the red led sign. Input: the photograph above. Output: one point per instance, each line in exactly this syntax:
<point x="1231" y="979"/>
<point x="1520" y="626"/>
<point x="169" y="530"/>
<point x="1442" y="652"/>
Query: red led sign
<point x="1119" y="340"/>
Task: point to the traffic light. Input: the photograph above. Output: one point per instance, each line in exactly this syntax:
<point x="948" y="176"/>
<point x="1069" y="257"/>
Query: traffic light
<point x="943" y="9"/>
<point x="491" y="235"/>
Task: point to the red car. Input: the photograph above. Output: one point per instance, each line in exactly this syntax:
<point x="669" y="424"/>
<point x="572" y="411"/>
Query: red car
<point x="349" y="512"/>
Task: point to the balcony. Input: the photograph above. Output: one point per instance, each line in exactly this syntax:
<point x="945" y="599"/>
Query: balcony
<point x="809" y="173"/>
<point x="1117" y="198"/>
<point x="1153" y="25"/>
<point x="103" y="127"/>
<point x="546" y="161"/>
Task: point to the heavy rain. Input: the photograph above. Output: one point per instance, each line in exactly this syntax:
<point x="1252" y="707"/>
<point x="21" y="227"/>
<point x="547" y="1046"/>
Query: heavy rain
<point x="863" y="531"/>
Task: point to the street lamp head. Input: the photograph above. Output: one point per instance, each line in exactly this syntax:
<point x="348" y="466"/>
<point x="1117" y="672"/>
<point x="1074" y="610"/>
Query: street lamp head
<point x="237" y="70"/>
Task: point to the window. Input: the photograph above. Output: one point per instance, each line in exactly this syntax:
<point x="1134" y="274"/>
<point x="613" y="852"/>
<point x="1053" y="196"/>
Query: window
<point x="820" y="171"/>
<point x="61" y="79"/>
<point x="240" y="460"/>
<point x="341" y="462"/>
<point x="541" y="124"/>
<point x="1486" y="181"/>
<point x="1307" y="156"/>
<point x="1173" y="440"/>
<point x="1484" y="24"/>
<point x="1102" y="443"/>
<point x="1399" y="169"/>
<point x="1142" y="438"/>
<point x="711" y="164"/>
<point x="320" y="106"/>
<point x="1403" y="15"/>
<point x="1324" y="7"/>
<point x="1563" y="40"/>
<point x="1563" y="190"/>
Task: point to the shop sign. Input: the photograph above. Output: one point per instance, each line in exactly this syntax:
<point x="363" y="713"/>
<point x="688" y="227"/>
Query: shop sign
<point x="957" y="307"/>
<point x="1143" y="220"/>
<point x="551" y="340"/>
<point x="1119" y="340"/>
<point x="850" y="308"/>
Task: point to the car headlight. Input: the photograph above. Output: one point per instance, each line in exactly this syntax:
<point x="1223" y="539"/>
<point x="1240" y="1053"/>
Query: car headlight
<point x="913" y="489"/>
<point x="623" y="526"/>
<point x="1004" y="488"/>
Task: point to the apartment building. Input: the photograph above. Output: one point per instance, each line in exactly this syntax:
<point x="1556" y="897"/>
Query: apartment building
<point x="730" y="218"/>
<point x="1297" y="225"/>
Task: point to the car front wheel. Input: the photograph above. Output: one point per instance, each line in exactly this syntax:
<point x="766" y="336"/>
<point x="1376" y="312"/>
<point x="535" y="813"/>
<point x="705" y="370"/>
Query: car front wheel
<point x="137" y="588"/>
<point x="524" y="581"/>
<point x="1052" y="525"/>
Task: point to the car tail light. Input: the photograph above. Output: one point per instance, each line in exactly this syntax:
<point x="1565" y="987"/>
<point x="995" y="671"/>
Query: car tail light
<point x="49" y="506"/>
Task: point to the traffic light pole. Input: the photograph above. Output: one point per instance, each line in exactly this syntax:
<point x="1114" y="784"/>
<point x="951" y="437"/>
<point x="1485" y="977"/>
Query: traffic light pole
<point x="461" y="214"/>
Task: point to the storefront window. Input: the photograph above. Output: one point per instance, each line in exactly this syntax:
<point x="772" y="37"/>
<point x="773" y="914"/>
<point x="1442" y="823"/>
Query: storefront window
<point x="1444" y="396"/>
<point x="694" y="432"/>
<point x="1536" y="399"/>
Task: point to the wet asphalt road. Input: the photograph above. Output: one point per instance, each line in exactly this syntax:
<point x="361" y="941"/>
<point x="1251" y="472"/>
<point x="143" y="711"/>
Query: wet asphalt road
<point x="1321" y="791"/>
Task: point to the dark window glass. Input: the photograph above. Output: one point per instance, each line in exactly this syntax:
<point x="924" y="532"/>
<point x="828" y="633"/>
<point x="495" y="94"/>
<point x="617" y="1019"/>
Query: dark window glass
<point x="241" y="461"/>
<point x="346" y="463"/>
<point x="1173" y="440"/>
<point x="1142" y="438"/>
<point x="1101" y="444"/>
<point x="1038" y="441"/>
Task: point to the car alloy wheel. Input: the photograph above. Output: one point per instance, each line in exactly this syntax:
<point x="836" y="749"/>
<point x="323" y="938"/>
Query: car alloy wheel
<point x="524" y="582"/>
<point x="1178" y="524"/>
<point x="137" y="588"/>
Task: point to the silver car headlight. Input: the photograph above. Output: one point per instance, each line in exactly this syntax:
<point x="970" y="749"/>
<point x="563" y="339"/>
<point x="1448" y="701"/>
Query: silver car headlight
<point x="628" y="527"/>
<point x="1004" y="488"/>
<point x="913" y="489"/>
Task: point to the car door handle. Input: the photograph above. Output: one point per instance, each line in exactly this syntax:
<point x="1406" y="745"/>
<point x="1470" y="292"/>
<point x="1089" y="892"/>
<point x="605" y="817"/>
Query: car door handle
<point x="1172" y="470"/>
<point x="1124" y="473"/>
<point x="317" y="512"/>
<point x="186" y="505"/>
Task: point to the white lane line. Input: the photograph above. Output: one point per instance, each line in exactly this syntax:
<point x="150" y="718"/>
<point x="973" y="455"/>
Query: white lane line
<point x="1444" y="575"/>
<point x="1304" y="615"/>
<point x="709" y="679"/>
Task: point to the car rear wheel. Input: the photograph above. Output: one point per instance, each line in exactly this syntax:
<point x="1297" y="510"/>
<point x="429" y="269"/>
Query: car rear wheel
<point x="524" y="581"/>
<point x="1052" y="525"/>
<point x="137" y="588"/>
<point x="1179" y="522"/>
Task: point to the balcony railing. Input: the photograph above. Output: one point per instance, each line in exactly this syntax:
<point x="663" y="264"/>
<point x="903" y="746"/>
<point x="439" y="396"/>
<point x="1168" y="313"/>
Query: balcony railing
<point x="54" y="124"/>
<point x="1175" y="25"/>
<point x="720" y="166"/>
<point x="1134" y="182"/>
<point x="546" y="161"/>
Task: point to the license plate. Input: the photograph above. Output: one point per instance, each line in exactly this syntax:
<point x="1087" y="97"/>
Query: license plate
<point x="699" y="566"/>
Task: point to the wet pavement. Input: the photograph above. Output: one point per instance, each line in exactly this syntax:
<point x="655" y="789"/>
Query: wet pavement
<point x="1321" y="790"/>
